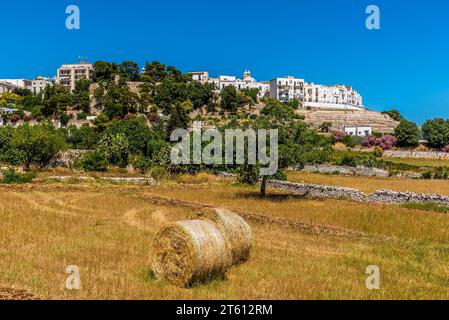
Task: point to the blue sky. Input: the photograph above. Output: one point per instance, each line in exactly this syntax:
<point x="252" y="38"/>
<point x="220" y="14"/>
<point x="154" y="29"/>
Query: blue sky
<point x="404" y="65"/>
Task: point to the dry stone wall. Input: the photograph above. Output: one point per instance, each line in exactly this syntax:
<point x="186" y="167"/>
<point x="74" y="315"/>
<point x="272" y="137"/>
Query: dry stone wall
<point x="380" y="196"/>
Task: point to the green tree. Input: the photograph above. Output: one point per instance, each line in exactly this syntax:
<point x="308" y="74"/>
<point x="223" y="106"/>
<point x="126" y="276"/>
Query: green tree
<point x="115" y="147"/>
<point x="436" y="132"/>
<point x="104" y="71"/>
<point x="229" y="99"/>
<point x="394" y="114"/>
<point x="57" y="99"/>
<point x="142" y="140"/>
<point x="81" y="100"/>
<point x="38" y="144"/>
<point x="129" y="70"/>
<point x="407" y="134"/>
<point x="298" y="144"/>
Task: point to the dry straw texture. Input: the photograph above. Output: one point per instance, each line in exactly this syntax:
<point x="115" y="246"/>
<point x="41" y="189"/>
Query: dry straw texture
<point x="190" y="252"/>
<point x="236" y="231"/>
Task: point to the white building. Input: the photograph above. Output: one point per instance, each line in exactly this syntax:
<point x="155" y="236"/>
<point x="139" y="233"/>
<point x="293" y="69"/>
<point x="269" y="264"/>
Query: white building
<point x="69" y="74"/>
<point x="314" y="96"/>
<point x="330" y="97"/>
<point x="39" y="84"/>
<point x="248" y="82"/>
<point x="20" y="83"/>
<point x="359" y="131"/>
<point x="7" y="87"/>
<point x="287" y="89"/>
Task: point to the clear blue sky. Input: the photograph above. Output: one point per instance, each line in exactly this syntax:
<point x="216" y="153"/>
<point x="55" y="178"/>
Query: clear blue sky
<point x="405" y="65"/>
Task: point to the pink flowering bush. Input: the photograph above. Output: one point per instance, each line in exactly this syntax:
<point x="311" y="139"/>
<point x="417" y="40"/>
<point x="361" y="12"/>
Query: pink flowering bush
<point x="14" y="118"/>
<point x="445" y="149"/>
<point x="338" y="136"/>
<point x="387" y="142"/>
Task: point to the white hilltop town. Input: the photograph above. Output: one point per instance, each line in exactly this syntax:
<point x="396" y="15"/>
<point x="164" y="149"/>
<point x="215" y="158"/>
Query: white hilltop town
<point x="340" y="105"/>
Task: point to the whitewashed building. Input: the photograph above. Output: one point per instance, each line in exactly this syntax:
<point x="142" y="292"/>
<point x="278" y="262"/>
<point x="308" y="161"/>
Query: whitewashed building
<point x="287" y="89"/>
<point x="313" y="96"/>
<point x="19" y="83"/>
<point x="247" y="82"/>
<point x="7" y="87"/>
<point x="358" y="131"/>
<point x="331" y="97"/>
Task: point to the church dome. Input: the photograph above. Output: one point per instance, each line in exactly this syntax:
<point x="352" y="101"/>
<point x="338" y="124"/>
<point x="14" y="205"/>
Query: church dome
<point x="247" y="77"/>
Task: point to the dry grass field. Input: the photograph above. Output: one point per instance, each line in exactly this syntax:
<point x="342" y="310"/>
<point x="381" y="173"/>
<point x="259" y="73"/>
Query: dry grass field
<point x="371" y="184"/>
<point x="421" y="162"/>
<point x="303" y="248"/>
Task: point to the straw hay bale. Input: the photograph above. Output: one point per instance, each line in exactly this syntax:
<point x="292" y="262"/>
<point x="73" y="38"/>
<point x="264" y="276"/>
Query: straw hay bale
<point x="236" y="231"/>
<point x="190" y="252"/>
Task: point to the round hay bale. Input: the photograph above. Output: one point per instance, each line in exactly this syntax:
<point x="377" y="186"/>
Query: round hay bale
<point x="236" y="231"/>
<point x="190" y="252"/>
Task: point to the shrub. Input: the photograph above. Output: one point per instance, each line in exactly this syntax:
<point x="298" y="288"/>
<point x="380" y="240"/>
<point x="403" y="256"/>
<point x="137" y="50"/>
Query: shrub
<point x="348" y="160"/>
<point x="349" y="141"/>
<point x="158" y="173"/>
<point x="378" y="152"/>
<point x="140" y="162"/>
<point x="248" y="174"/>
<point x="11" y="176"/>
<point x="427" y="175"/>
<point x="94" y="161"/>
<point x="338" y="136"/>
<point x="115" y="147"/>
<point x="386" y="142"/>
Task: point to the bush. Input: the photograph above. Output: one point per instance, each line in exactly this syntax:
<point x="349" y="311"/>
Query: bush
<point x="348" y="160"/>
<point x="140" y="162"/>
<point x="94" y="161"/>
<point x="248" y="174"/>
<point x="11" y="176"/>
<point x="378" y="152"/>
<point x="338" y="136"/>
<point x="386" y="142"/>
<point x="158" y="173"/>
<point x="349" y="141"/>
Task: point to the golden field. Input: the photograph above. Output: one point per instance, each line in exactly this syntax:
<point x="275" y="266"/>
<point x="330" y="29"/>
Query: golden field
<point x="371" y="184"/>
<point x="303" y="248"/>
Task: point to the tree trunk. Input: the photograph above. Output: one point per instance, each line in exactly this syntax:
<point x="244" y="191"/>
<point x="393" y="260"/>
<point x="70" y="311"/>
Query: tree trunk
<point x="263" y="187"/>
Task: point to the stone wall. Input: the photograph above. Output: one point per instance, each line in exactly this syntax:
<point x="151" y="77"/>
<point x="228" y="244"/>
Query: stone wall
<point x="380" y="196"/>
<point x="357" y="171"/>
<point x="416" y="154"/>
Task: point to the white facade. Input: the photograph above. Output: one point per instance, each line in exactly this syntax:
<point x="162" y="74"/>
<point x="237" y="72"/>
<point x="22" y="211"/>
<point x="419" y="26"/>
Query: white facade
<point x="39" y="84"/>
<point x="69" y="74"/>
<point x="248" y="82"/>
<point x="359" y="131"/>
<point x="287" y="89"/>
<point x="338" y="96"/>
<point x="7" y="87"/>
<point x="21" y="83"/>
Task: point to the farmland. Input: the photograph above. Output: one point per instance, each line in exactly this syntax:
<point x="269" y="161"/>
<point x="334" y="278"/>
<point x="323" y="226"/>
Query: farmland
<point x="304" y="248"/>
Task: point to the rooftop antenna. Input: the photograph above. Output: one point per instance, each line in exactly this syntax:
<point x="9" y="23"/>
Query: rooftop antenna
<point x="82" y="59"/>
